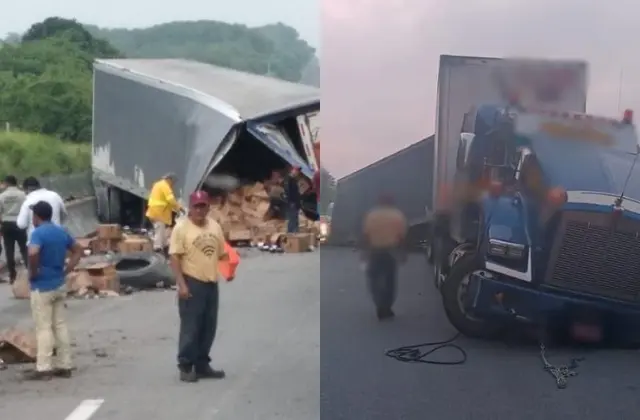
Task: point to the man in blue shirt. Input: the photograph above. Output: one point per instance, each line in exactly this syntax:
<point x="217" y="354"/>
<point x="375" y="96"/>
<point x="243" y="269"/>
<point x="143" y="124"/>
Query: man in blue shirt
<point x="48" y="248"/>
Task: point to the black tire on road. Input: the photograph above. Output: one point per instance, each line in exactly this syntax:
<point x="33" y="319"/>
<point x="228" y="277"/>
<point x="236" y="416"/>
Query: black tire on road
<point x="144" y="270"/>
<point x="466" y="324"/>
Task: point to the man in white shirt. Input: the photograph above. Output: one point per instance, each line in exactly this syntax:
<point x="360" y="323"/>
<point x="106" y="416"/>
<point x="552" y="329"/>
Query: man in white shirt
<point x="35" y="193"/>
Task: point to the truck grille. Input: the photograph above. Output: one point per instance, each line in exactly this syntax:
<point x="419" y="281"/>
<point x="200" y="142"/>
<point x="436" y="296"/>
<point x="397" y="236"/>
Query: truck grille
<point x="594" y="254"/>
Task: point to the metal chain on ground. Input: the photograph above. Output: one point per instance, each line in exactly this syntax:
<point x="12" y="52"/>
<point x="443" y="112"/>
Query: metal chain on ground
<point x="560" y="373"/>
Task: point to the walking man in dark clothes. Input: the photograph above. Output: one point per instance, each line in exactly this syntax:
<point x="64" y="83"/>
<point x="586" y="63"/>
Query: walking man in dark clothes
<point x="11" y="200"/>
<point x="292" y="195"/>
<point x="196" y="246"/>
<point x="383" y="240"/>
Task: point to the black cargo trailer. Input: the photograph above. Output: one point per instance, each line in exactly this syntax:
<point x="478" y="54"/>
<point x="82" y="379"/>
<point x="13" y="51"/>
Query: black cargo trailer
<point x="405" y="174"/>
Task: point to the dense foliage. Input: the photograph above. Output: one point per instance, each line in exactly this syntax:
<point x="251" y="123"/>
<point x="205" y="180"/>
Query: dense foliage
<point x="46" y="77"/>
<point x="24" y="154"/>
<point x="275" y="49"/>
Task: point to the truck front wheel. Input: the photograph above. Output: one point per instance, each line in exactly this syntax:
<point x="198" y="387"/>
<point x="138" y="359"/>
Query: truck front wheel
<point x="454" y="291"/>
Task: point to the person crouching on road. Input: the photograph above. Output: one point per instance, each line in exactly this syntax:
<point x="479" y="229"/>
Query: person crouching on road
<point x="160" y="208"/>
<point x="384" y="232"/>
<point x="292" y="195"/>
<point x="48" y="248"/>
<point x="196" y="246"/>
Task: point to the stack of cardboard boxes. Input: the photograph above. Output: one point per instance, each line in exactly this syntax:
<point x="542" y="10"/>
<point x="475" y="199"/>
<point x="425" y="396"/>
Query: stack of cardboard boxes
<point x="244" y="217"/>
<point x="96" y="279"/>
<point x="110" y="238"/>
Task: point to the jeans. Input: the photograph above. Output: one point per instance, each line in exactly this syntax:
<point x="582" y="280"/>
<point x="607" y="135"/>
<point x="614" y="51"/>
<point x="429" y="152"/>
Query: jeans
<point x="292" y="219"/>
<point x="12" y="235"/>
<point x="382" y="277"/>
<point x="198" y="324"/>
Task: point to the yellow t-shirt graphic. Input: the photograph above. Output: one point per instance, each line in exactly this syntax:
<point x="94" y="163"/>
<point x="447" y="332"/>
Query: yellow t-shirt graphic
<point x="200" y="248"/>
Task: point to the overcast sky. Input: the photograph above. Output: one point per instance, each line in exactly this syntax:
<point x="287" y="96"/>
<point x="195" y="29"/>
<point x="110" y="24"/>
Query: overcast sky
<point x="303" y="15"/>
<point x="380" y="59"/>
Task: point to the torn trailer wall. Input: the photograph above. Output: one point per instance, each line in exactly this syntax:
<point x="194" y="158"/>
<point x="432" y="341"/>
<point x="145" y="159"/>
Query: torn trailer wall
<point x="406" y="175"/>
<point x="157" y="116"/>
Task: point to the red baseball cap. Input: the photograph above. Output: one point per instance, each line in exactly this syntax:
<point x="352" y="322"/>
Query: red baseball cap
<point x="198" y="197"/>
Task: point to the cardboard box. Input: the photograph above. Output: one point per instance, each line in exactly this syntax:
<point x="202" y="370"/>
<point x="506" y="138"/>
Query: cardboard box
<point x="111" y="231"/>
<point x="21" y="288"/>
<point x="78" y="281"/>
<point x="239" y="233"/>
<point x="135" y="244"/>
<point x="101" y="245"/>
<point x="296" y="242"/>
<point x="18" y="346"/>
<point x="103" y="276"/>
<point x="85" y="243"/>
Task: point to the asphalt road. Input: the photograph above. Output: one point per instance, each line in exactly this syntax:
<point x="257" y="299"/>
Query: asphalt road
<point x="500" y="381"/>
<point x="268" y="344"/>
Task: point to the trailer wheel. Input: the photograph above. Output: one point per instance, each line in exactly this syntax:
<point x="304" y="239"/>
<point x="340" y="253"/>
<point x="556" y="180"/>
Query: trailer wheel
<point x="453" y="295"/>
<point x="102" y="203"/>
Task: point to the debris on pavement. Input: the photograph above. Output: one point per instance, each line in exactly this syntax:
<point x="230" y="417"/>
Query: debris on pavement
<point x="17" y="346"/>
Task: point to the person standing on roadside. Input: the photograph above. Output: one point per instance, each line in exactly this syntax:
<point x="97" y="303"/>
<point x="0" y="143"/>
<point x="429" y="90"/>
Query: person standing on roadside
<point x="161" y="206"/>
<point x="11" y="200"/>
<point x="383" y="240"/>
<point x="292" y="195"/>
<point x="195" y="249"/>
<point x="36" y="193"/>
<point x="48" y="248"/>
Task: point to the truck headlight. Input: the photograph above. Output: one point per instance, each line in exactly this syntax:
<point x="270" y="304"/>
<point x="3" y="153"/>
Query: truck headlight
<point x="503" y="249"/>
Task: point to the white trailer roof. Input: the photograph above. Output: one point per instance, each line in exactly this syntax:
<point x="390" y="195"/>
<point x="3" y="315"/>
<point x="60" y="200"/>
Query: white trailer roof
<point x="251" y="95"/>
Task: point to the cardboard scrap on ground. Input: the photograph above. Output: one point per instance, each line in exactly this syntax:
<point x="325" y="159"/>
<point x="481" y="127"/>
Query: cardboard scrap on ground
<point x="17" y="346"/>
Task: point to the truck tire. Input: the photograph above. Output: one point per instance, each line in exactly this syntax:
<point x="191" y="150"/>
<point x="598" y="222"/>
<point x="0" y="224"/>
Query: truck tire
<point x="102" y="203"/>
<point x="439" y="253"/>
<point x="144" y="270"/>
<point x="452" y="296"/>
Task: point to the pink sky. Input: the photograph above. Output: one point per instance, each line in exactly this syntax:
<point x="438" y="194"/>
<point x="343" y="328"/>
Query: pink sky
<point x="379" y="61"/>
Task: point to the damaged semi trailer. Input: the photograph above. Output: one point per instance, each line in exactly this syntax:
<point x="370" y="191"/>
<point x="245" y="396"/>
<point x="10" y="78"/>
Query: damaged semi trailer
<point x="155" y="116"/>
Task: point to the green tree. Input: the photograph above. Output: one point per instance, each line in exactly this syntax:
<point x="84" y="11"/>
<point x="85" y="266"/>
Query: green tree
<point x="74" y="32"/>
<point x="46" y="88"/>
<point x="46" y="79"/>
<point x="276" y="50"/>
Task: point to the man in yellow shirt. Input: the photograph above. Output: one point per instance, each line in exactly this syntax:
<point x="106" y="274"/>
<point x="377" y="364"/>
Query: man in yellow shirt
<point x="160" y="208"/>
<point x="384" y="232"/>
<point x="196" y="247"/>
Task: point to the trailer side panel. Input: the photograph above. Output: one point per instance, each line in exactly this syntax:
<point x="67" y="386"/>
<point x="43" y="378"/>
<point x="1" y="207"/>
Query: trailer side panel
<point x="406" y="175"/>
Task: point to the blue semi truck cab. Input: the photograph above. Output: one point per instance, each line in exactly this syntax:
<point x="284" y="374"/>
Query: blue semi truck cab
<point x="543" y="221"/>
